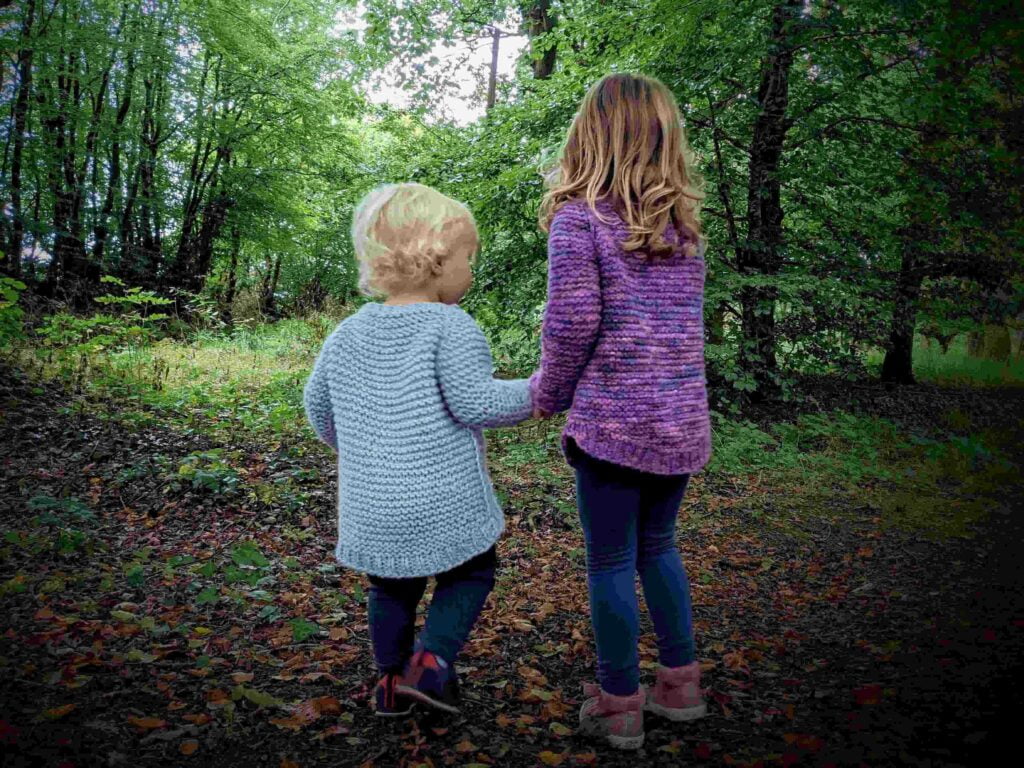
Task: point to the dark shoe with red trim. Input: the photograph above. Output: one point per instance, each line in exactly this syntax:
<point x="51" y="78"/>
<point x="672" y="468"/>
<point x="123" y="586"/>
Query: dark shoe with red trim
<point x="387" y="699"/>
<point x="431" y="680"/>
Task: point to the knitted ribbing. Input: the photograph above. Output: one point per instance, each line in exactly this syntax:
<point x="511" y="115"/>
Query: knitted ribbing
<point x="402" y="393"/>
<point x="622" y="346"/>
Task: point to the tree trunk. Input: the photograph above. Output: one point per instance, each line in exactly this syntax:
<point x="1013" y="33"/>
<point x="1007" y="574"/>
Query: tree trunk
<point x="269" y="302"/>
<point x="716" y="325"/>
<point x="214" y="214"/>
<point x="759" y="255"/>
<point x="129" y="255"/>
<point x="492" y="80"/>
<point x="149" y="255"/>
<point x="114" y="180"/>
<point x="898" y="366"/>
<point x="539" y="22"/>
<point x="12" y="264"/>
<point x="227" y="311"/>
<point x="55" y="125"/>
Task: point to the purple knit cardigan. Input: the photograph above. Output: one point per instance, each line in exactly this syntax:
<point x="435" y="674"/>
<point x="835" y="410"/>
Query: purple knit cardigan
<point x="622" y="346"/>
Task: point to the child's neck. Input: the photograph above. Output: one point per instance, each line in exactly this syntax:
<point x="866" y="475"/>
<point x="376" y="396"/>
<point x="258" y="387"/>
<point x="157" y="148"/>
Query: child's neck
<point x="413" y="297"/>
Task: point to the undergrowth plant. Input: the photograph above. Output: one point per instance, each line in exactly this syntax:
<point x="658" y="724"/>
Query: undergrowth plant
<point x="11" y="315"/>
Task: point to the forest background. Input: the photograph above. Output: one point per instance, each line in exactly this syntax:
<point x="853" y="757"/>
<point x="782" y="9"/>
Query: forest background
<point x="862" y="160"/>
<point x="177" y="182"/>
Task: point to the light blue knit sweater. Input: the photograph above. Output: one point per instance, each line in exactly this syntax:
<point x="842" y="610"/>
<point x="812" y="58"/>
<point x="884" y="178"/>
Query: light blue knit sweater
<point x="402" y="393"/>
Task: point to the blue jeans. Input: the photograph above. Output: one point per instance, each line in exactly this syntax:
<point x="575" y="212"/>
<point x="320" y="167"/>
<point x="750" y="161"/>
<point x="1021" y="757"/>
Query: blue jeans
<point x="459" y="596"/>
<point x="629" y="520"/>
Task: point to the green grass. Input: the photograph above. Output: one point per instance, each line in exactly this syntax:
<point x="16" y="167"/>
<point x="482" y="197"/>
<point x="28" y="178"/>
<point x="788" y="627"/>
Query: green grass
<point x="213" y="383"/>
<point x="247" y="385"/>
<point x="956" y="368"/>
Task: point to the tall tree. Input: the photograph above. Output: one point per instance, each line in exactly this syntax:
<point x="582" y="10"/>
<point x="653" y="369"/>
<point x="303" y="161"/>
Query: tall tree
<point x="758" y="256"/>
<point x="12" y="263"/>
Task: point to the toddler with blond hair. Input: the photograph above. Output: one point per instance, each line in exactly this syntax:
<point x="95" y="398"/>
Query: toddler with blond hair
<point x="402" y="391"/>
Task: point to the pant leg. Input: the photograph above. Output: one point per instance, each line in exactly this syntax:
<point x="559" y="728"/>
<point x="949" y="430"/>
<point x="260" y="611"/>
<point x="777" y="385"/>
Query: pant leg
<point x="459" y="597"/>
<point x="666" y="587"/>
<point x="608" y="499"/>
<point x="392" y="619"/>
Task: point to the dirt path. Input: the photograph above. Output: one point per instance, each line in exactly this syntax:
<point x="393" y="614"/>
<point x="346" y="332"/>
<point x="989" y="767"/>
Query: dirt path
<point x="159" y="639"/>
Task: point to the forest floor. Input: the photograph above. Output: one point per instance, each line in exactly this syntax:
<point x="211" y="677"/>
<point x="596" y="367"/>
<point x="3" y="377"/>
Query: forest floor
<point x="170" y="598"/>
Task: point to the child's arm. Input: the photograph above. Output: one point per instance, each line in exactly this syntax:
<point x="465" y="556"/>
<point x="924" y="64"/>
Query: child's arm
<point x="317" y="399"/>
<point x="572" y="316"/>
<point x="465" y="371"/>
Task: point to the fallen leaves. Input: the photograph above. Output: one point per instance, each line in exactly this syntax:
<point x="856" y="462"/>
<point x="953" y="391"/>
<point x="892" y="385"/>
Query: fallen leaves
<point x="257" y="697"/>
<point x="702" y="751"/>
<point x="147" y="723"/>
<point x="536" y="638"/>
<point x="217" y="697"/>
<point x="559" y="730"/>
<point x="868" y="694"/>
<point x="804" y="741"/>
<point x="307" y="712"/>
<point x="57" y="712"/>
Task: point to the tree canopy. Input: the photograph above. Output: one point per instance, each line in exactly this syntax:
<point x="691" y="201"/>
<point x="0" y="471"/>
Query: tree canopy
<point x="862" y="161"/>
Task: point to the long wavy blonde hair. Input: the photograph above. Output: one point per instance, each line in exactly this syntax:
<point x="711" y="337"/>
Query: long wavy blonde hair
<point x="627" y="144"/>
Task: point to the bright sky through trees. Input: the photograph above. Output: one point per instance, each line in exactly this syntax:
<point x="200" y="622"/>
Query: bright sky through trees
<point x="464" y="65"/>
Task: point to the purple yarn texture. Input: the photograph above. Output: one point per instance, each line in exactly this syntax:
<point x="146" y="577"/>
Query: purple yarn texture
<point x="622" y="345"/>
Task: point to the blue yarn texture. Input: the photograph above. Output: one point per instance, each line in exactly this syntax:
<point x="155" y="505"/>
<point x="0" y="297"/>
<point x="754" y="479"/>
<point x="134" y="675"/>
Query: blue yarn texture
<point x="403" y="393"/>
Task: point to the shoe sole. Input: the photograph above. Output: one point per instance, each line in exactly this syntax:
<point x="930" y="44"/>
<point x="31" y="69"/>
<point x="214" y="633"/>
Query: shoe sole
<point x="414" y="693"/>
<point x="625" y="742"/>
<point x="676" y="714"/>
<point x="407" y="712"/>
<point x="619" y="742"/>
<point x="589" y="728"/>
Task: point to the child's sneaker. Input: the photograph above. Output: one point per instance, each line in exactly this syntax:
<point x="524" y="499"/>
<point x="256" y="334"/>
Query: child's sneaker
<point x="619" y="720"/>
<point x="676" y="694"/>
<point x="430" y="679"/>
<point x="388" y="702"/>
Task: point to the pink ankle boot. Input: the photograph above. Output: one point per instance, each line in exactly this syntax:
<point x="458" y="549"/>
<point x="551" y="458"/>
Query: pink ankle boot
<point x="676" y="694"/>
<point x="619" y="720"/>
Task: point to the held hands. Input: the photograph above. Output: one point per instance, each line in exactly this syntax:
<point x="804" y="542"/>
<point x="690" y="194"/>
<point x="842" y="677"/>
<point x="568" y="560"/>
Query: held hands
<point x="538" y="413"/>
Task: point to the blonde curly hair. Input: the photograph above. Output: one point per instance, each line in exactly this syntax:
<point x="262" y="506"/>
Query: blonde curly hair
<point x="402" y="234"/>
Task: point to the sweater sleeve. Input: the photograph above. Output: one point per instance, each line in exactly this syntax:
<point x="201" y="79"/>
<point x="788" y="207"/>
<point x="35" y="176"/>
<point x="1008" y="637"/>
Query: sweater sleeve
<point x="465" y="371"/>
<point x="572" y="316"/>
<point x="316" y="397"/>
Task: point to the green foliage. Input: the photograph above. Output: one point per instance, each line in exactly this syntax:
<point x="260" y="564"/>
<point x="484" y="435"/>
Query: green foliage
<point x="954" y="366"/>
<point x="302" y="629"/>
<point x="11" y="314"/>
<point x="63" y="517"/>
<point x="839" y="445"/>
<point x="208" y="471"/>
<point x="82" y="340"/>
<point x="248" y="553"/>
<point x="897" y="133"/>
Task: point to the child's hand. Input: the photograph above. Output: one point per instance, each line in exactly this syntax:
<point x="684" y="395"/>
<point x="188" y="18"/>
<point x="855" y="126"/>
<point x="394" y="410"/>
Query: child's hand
<point x="539" y="414"/>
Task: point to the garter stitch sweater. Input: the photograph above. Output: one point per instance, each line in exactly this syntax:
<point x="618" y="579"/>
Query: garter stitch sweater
<point x="402" y="393"/>
<point x="622" y="346"/>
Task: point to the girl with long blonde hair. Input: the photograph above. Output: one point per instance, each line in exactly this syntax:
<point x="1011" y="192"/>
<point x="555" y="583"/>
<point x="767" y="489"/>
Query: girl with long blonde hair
<point x="622" y="351"/>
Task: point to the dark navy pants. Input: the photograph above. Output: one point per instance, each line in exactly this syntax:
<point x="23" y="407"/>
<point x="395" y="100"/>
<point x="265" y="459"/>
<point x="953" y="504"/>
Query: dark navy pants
<point x="629" y="520"/>
<point x="459" y="596"/>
